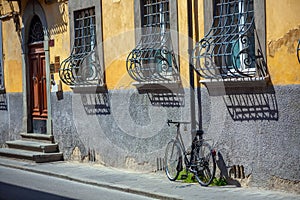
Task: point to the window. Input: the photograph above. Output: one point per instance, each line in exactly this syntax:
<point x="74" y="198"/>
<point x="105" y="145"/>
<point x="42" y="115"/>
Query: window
<point x="1" y="61"/>
<point x="85" y="42"/>
<point x="231" y="48"/>
<point x="36" y="30"/>
<point x="83" y="65"/>
<point x="153" y="59"/>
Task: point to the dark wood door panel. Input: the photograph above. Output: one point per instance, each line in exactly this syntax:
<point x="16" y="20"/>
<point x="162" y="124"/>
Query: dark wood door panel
<point x="44" y="109"/>
<point x="38" y="92"/>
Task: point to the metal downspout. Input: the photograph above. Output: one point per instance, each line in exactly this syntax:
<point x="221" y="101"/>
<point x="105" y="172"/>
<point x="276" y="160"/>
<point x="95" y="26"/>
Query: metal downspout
<point x="191" y="68"/>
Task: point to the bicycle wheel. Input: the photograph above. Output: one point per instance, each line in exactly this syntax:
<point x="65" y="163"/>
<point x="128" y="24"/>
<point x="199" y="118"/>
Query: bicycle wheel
<point x="173" y="160"/>
<point x="205" y="164"/>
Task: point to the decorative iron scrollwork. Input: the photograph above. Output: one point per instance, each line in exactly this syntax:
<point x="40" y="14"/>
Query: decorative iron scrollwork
<point x="82" y="69"/>
<point x="36" y="33"/>
<point x="152" y="62"/>
<point x="153" y="58"/>
<point x="83" y="66"/>
<point x="228" y="49"/>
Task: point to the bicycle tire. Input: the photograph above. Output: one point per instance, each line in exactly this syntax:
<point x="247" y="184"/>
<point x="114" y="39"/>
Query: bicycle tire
<point x="205" y="164"/>
<point x="173" y="160"/>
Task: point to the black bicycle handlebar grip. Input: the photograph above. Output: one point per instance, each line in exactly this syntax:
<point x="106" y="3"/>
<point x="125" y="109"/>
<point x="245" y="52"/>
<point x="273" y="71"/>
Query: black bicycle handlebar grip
<point x="168" y="122"/>
<point x="200" y="132"/>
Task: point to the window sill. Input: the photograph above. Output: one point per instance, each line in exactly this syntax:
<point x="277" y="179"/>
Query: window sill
<point x="152" y="86"/>
<point x="89" y="89"/>
<point x="236" y="82"/>
<point x="234" y="85"/>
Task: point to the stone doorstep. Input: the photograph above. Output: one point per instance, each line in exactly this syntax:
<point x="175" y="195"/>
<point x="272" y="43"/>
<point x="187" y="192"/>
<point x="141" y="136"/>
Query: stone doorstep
<point x="37" y="137"/>
<point x="33" y="146"/>
<point x="38" y="157"/>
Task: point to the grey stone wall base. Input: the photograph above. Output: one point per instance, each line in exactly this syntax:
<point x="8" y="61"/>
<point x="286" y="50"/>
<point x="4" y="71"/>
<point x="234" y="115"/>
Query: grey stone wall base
<point x="11" y="109"/>
<point x="255" y="132"/>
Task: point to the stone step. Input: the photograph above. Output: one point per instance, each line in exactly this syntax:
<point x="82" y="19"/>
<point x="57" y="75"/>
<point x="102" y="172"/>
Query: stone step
<point x="38" y="157"/>
<point x="37" y="137"/>
<point x="33" y="146"/>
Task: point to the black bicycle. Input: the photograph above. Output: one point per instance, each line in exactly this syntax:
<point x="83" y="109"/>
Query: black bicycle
<point x="199" y="160"/>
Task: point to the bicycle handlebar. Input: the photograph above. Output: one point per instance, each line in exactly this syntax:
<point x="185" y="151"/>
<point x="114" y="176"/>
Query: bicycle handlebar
<point x="176" y="122"/>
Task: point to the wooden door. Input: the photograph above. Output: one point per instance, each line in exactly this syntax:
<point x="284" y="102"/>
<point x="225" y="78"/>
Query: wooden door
<point x="38" y="92"/>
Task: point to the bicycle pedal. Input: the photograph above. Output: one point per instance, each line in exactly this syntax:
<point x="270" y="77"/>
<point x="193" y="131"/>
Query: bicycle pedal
<point x="184" y="176"/>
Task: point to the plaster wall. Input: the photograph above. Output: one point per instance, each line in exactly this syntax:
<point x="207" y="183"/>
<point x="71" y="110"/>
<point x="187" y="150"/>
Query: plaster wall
<point x="126" y="129"/>
<point x="283" y="34"/>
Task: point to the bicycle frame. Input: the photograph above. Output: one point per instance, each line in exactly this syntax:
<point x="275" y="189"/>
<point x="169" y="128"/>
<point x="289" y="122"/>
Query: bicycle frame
<point x="180" y="140"/>
<point x="201" y="163"/>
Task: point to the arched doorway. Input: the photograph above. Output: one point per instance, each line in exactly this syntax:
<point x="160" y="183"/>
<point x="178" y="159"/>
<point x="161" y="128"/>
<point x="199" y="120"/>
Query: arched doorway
<point x="37" y="102"/>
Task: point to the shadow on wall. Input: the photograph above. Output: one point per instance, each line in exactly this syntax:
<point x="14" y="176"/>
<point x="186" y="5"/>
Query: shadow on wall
<point x="227" y="172"/>
<point x="60" y="24"/>
<point x="96" y="104"/>
<point x="164" y="96"/>
<point x="3" y="102"/>
<point x="252" y="104"/>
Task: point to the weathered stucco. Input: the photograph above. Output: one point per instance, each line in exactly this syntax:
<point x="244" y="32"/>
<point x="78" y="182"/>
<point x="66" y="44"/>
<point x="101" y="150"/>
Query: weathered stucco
<point x="282" y="61"/>
<point x="12" y="58"/>
<point x="283" y="33"/>
<point x="125" y="127"/>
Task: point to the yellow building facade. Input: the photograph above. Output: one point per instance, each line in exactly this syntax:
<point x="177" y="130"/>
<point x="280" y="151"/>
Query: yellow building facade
<point x="109" y="76"/>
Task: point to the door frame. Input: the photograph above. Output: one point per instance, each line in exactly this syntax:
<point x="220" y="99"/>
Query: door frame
<point x="34" y="8"/>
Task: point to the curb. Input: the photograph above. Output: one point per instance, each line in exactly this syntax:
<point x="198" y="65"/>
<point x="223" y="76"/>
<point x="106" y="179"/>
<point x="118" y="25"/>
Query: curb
<point x="98" y="184"/>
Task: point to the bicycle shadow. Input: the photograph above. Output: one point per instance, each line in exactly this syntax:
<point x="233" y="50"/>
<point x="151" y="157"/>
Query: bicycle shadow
<point x="224" y="171"/>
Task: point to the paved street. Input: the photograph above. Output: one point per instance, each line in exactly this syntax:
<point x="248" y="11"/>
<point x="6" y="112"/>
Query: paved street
<point x="65" y="180"/>
<point x="19" y="184"/>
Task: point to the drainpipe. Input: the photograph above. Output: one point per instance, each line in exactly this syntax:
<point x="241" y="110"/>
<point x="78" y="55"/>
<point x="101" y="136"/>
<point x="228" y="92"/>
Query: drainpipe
<point x="191" y="68"/>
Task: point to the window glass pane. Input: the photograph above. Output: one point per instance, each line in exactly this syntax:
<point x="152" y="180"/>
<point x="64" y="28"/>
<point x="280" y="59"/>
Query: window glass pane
<point x="36" y="32"/>
<point x="156" y="25"/>
<point x="232" y="20"/>
<point x="85" y="31"/>
<point x="84" y="41"/>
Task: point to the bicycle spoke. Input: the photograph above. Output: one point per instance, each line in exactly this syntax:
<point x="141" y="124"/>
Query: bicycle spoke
<point x="173" y="160"/>
<point x="206" y="165"/>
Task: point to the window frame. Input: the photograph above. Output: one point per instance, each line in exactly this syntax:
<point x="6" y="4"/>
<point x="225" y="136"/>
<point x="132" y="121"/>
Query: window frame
<point x="96" y="57"/>
<point x="172" y="41"/>
<point x="173" y="17"/>
<point x="259" y="22"/>
<point x="84" y="40"/>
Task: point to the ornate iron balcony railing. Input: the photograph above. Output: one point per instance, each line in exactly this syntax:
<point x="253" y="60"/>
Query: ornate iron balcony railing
<point x="82" y="69"/>
<point x="153" y="59"/>
<point x="231" y="48"/>
<point x="83" y="66"/>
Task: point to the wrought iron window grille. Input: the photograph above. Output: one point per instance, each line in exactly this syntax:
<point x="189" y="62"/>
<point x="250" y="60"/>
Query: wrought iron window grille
<point x="231" y="49"/>
<point x="153" y="59"/>
<point x="82" y="67"/>
<point x="36" y="30"/>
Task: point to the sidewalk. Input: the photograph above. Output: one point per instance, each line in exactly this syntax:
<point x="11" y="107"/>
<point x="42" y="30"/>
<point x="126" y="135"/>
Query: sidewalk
<point x="155" y="185"/>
